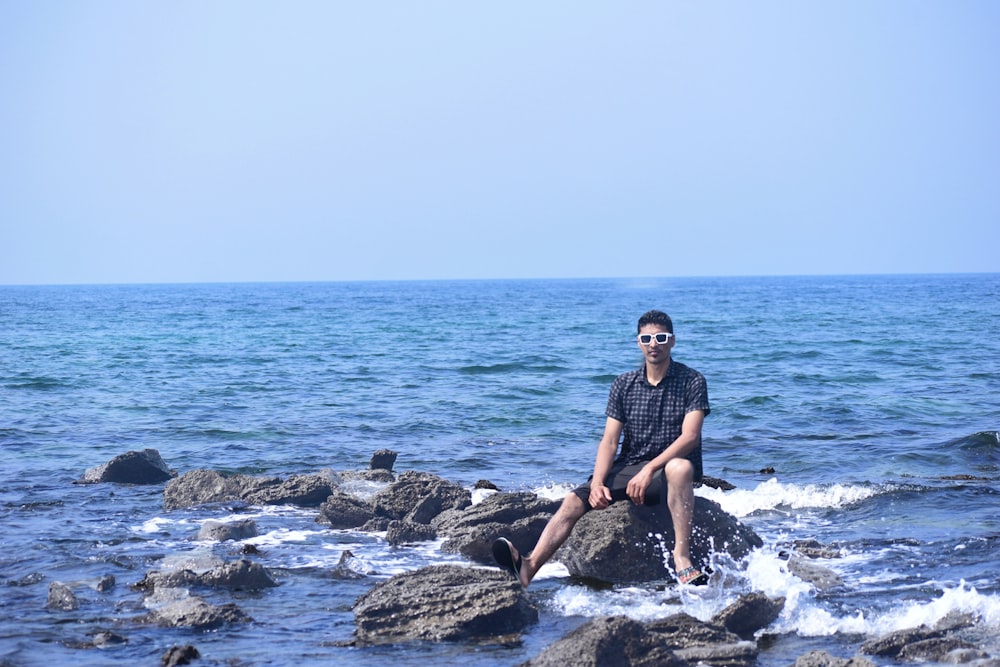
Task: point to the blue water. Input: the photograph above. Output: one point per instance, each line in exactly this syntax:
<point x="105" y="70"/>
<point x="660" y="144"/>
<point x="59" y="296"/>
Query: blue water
<point x="866" y="395"/>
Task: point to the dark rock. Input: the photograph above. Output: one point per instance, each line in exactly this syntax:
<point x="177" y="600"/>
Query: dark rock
<point x="628" y="543"/>
<point x="750" y="613"/>
<point x="487" y="485"/>
<point x="892" y="644"/>
<point x="218" y="531"/>
<point x="822" y="578"/>
<point x="378" y="524"/>
<point x="815" y="549"/>
<point x="199" y="487"/>
<point x="106" y="583"/>
<point x="520" y="517"/>
<point x="419" y="497"/>
<point x="107" y="638"/>
<point x="703" y="643"/>
<point x="443" y="602"/>
<point x="383" y="459"/>
<point x="716" y="483"/>
<point x="824" y="659"/>
<point x="769" y="470"/>
<point x="379" y="475"/>
<point x="609" y="641"/>
<point x="242" y="574"/>
<point x="179" y="655"/>
<point x="145" y="467"/>
<point x="341" y="510"/>
<point x="61" y="598"/>
<point x="350" y="567"/>
<point x="934" y="650"/>
<point x="300" y="490"/>
<point x="408" y="532"/>
<point x="195" y="613"/>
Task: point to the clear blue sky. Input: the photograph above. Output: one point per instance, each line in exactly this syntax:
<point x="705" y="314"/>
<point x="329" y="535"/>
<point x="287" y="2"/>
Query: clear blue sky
<point x="190" y="141"/>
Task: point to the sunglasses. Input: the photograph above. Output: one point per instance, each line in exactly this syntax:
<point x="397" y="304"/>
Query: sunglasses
<point x="660" y="338"/>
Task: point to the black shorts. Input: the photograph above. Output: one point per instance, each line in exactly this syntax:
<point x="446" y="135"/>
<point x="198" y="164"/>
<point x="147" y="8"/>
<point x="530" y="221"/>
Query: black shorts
<point x="618" y="479"/>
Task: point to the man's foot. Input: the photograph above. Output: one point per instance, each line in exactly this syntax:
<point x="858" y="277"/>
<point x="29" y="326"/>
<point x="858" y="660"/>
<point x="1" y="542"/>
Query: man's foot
<point x="507" y="557"/>
<point x="692" y="576"/>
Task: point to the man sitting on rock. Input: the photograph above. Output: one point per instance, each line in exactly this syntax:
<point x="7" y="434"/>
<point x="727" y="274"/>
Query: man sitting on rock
<point x="656" y="414"/>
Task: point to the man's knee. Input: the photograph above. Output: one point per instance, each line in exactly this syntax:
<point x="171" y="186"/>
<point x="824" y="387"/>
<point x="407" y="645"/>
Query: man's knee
<point x="679" y="471"/>
<point x="573" y="506"/>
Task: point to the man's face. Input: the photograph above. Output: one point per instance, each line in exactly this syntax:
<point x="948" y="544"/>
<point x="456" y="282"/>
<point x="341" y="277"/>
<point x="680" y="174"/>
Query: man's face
<point x="654" y="351"/>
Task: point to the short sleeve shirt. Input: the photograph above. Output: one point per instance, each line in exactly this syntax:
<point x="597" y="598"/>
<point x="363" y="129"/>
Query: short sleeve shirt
<point x="653" y="415"/>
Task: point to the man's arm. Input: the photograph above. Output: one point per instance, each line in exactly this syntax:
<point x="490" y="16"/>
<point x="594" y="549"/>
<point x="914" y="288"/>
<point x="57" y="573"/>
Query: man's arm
<point x="679" y="448"/>
<point x="600" y="495"/>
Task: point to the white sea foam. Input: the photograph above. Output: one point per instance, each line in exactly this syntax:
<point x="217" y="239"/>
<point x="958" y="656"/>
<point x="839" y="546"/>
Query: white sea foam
<point x="772" y="494"/>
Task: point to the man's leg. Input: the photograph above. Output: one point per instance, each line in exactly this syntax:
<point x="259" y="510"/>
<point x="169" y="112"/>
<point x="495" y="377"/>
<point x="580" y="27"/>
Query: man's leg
<point x="680" y="500"/>
<point x="555" y="533"/>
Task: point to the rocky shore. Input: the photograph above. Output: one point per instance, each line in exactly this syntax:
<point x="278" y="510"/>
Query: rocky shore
<point x="472" y="603"/>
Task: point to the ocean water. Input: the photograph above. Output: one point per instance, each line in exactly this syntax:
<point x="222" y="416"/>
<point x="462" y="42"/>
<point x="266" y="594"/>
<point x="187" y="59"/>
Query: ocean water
<point x="862" y="412"/>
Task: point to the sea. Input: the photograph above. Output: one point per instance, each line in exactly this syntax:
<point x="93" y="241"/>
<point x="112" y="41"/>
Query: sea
<point x="858" y="411"/>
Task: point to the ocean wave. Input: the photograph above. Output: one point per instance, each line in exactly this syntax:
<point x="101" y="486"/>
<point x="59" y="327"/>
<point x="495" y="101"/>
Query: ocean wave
<point x="775" y="495"/>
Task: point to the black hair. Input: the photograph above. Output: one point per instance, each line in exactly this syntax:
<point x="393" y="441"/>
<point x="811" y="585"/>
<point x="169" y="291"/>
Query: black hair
<point x="655" y="317"/>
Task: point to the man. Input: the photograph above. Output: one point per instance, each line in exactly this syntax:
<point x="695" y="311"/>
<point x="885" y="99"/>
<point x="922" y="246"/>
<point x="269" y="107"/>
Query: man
<point x="655" y="413"/>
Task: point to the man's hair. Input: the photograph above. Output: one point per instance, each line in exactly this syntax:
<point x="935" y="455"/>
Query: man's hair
<point x="655" y="317"/>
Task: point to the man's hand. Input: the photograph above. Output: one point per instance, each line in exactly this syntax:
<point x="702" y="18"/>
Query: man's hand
<point x="637" y="486"/>
<point x="600" y="496"/>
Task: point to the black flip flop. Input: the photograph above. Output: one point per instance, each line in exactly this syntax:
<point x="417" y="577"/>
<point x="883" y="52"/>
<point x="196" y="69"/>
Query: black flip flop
<point x="507" y="557"/>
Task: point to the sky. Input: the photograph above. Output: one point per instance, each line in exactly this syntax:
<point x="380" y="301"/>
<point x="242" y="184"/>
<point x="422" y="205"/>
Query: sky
<point x="241" y="140"/>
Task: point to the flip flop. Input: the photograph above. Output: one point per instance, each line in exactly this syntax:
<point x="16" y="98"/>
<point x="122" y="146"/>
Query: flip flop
<point x="507" y="557"/>
<point x="692" y="576"/>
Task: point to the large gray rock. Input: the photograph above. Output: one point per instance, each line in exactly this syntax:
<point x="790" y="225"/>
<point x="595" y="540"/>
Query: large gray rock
<point x="517" y="516"/>
<point x="615" y="641"/>
<point x="824" y="659"/>
<point x="199" y="487"/>
<point x="750" y="613"/>
<point x="341" y="510"/>
<point x="443" y="602"/>
<point x="628" y="543"/>
<point x="300" y="490"/>
<point x="135" y="467"/>
<point x="195" y="613"/>
<point x="218" y="531"/>
<point x="242" y="574"/>
<point x="419" y="497"/>
<point x="703" y="643"/>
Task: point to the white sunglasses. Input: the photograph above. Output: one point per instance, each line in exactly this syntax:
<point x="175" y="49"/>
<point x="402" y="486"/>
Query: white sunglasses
<point x="660" y="338"/>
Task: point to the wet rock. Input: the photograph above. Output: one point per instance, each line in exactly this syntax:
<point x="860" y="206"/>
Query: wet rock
<point x="408" y="532"/>
<point x="716" y="483"/>
<point x="350" y="567"/>
<point x="179" y="655"/>
<point x="934" y="650"/>
<point x="106" y="583"/>
<point x="520" y="517"/>
<point x="750" y="613"/>
<point x="299" y="490"/>
<point x="815" y="549"/>
<point x="419" y="497"/>
<point x="217" y="531"/>
<point x="199" y="487"/>
<point x="106" y="638"/>
<point x="485" y="484"/>
<point x="443" y="602"/>
<point x="383" y="459"/>
<point x="821" y="578"/>
<point x="61" y="598"/>
<point x="628" y="543"/>
<point x="615" y="640"/>
<point x="894" y="644"/>
<point x="824" y="659"/>
<point x="195" y="613"/>
<point x="342" y="510"/>
<point x="703" y="643"/>
<point x="134" y="467"/>
<point x="242" y="574"/>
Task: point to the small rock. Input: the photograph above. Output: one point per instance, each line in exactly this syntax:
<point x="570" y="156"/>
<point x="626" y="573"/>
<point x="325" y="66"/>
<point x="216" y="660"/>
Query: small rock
<point x="179" y="655"/>
<point x="61" y="598"/>
<point x="750" y="613"/>
<point x="218" y="531"/>
<point x="135" y="467"/>
<point x="383" y="459"/>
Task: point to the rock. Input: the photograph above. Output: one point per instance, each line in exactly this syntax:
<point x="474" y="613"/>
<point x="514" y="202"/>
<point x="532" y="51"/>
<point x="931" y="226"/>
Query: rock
<point x="350" y="567"/>
<point x="341" y="510"/>
<point x="824" y="659"/>
<point x="716" y="483"/>
<point x="750" y="613"/>
<point x="107" y="638"/>
<point x="822" y="578"/>
<point x="242" y="574"/>
<point x="106" y="583"/>
<point x="485" y="484"/>
<point x="443" y="602"/>
<point x="217" y="531"/>
<point x="629" y="543"/>
<point x="408" y="532"/>
<point x="61" y="598"/>
<point x="703" y="643"/>
<point x="815" y="549"/>
<point x="145" y="467"/>
<point x="520" y="517"/>
<point x="300" y="490"/>
<point x="419" y="497"/>
<point x="195" y="613"/>
<point x="179" y="655"/>
<point x="609" y="641"/>
<point x="934" y="650"/>
<point x="199" y="487"/>
<point x="383" y="459"/>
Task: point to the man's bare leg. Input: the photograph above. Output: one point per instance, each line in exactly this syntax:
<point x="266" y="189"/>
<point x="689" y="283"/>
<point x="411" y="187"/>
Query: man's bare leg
<point x="680" y="500"/>
<point x="555" y="533"/>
